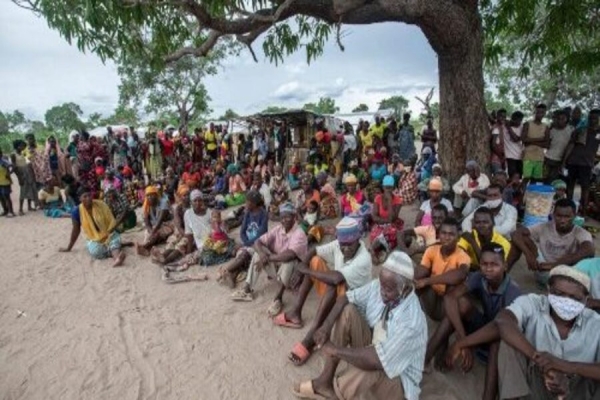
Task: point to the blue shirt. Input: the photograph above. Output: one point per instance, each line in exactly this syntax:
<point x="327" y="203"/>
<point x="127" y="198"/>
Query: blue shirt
<point x="406" y="143"/>
<point x="591" y="267"/>
<point x="378" y="172"/>
<point x="254" y="225"/>
<point x="492" y="302"/>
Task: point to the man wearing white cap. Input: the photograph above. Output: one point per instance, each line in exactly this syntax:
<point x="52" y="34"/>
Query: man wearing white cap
<point x="333" y="268"/>
<point x="550" y="343"/>
<point x="381" y="332"/>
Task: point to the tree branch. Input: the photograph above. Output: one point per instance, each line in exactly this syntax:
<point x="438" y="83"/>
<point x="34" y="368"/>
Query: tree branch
<point x="201" y="51"/>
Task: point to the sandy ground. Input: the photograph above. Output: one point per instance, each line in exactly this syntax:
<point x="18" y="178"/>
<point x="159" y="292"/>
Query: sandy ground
<point x="73" y="328"/>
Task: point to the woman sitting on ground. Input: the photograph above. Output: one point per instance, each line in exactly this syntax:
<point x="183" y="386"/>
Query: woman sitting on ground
<point x="218" y="247"/>
<point x="51" y="200"/>
<point x="280" y="192"/>
<point x="177" y="244"/>
<point x="237" y="187"/>
<point x="306" y="195"/>
<point x="119" y="206"/>
<point x="156" y="216"/>
<point x="435" y="193"/>
<point x="254" y="225"/>
<point x="386" y="222"/>
<point x="99" y="227"/>
<point x="328" y="208"/>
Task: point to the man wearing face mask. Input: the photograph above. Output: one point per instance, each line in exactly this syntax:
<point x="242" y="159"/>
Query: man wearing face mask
<point x="505" y="215"/>
<point x="381" y="332"/>
<point x="550" y="343"/>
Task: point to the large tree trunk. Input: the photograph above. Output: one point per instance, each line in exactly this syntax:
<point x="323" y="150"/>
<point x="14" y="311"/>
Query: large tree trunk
<point x="464" y="131"/>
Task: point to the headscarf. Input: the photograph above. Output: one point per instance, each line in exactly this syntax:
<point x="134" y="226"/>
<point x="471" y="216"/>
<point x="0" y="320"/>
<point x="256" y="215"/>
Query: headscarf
<point x="388" y="181"/>
<point x="232" y="169"/>
<point x="348" y="230"/>
<point x="559" y="184"/>
<point x="182" y="191"/>
<point x="287" y="208"/>
<point x="150" y="190"/>
<point x="350" y="179"/>
<point x="472" y="164"/>
<point x="195" y="194"/>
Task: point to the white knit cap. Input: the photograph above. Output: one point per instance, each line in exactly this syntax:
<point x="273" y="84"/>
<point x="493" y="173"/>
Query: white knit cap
<point x="573" y="273"/>
<point x="400" y="263"/>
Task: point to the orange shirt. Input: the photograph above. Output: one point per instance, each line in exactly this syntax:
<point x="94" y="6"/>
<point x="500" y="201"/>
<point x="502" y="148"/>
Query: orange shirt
<point x="435" y="261"/>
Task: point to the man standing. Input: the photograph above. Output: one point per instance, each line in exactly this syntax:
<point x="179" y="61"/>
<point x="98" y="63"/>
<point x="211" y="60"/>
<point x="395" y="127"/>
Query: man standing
<point x="580" y="157"/>
<point x="535" y="138"/>
<point x="406" y="140"/>
<point x="331" y="269"/>
<point x="560" y="136"/>
<point x="380" y="330"/>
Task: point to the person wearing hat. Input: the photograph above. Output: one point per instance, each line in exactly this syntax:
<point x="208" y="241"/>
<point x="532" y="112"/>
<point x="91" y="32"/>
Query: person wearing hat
<point x="552" y="243"/>
<point x="156" y="213"/>
<point x="353" y="200"/>
<point x="435" y="191"/>
<point x="359" y="173"/>
<point x="425" y="164"/>
<point x="386" y="220"/>
<point x="277" y="252"/>
<point x="550" y="343"/>
<point x="95" y="219"/>
<point x="436" y="173"/>
<point x="380" y="330"/>
<point x="333" y="268"/>
<point x="467" y="190"/>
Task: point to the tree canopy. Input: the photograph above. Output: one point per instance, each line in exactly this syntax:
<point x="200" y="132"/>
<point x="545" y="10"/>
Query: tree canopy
<point x="397" y="103"/>
<point x="64" y="117"/>
<point x="228" y="115"/>
<point x="325" y="105"/>
<point x="273" y="110"/>
<point x="362" y="107"/>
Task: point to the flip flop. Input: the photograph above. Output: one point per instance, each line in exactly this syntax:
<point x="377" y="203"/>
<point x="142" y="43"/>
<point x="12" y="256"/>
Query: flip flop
<point x="280" y="320"/>
<point x="305" y="390"/>
<point x="301" y="353"/>
<point x="241" y="295"/>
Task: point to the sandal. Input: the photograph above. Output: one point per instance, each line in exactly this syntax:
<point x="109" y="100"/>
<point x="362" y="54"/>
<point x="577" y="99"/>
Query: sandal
<point x="280" y="320"/>
<point x="242" y="295"/>
<point x="305" y="390"/>
<point x="299" y="354"/>
<point x="275" y="308"/>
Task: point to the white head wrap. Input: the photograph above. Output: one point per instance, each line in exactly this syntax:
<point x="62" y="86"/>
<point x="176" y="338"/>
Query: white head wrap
<point x="195" y="194"/>
<point x="400" y="263"/>
<point x="573" y="273"/>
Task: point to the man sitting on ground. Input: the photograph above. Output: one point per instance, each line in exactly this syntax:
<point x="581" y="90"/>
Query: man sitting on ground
<point x="415" y="241"/>
<point x="380" y="330"/>
<point x="505" y="215"/>
<point x="277" y="252"/>
<point x="493" y="289"/>
<point x="467" y="189"/>
<point x="556" y="242"/>
<point x="332" y="268"/>
<point x="483" y="233"/>
<point x="550" y="343"/>
<point x="444" y="264"/>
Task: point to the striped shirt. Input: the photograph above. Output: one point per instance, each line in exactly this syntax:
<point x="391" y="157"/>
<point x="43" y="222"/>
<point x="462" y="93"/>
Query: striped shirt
<point x="402" y="353"/>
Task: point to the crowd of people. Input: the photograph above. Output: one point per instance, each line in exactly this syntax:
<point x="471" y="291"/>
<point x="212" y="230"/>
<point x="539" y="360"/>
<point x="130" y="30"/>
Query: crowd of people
<point x="337" y="214"/>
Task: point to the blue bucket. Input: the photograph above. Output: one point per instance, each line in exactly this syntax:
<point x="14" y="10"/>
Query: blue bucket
<point x="539" y="200"/>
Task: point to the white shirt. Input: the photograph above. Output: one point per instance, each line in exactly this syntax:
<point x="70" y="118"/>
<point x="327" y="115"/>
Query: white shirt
<point x="462" y="185"/>
<point x="349" y="143"/>
<point x="356" y="271"/>
<point x="402" y="353"/>
<point x="505" y="223"/>
<point x="197" y="225"/>
<point x="512" y="150"/>
<point x="559" y="140"/>
<point x="426" y="206"/>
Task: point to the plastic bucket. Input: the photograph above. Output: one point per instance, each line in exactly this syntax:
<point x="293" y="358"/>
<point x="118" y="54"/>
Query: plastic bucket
<point x="539" y="200"/>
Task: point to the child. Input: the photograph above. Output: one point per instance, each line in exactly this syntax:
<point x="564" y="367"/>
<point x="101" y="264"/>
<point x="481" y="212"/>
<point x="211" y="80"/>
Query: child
<point x="217" y="247"/>
<point x="314" y="233"/>
<point x="5" y="184"/>
<point x="492" y="289"/>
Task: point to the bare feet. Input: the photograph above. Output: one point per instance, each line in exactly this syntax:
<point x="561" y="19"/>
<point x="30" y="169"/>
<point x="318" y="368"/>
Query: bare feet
<point x="141" y="250"/>
<point x="157" y="257"/>
<point x="21" y="213"/>
<point x="119" y="260"/>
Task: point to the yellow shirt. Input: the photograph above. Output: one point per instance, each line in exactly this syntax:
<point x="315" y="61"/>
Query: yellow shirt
<point x="496" y="238"/>
<point x="211" y="140"/>
<point x="366" y="139"/>
<point x="378" y="130"/>
<point x="4" y="176"/>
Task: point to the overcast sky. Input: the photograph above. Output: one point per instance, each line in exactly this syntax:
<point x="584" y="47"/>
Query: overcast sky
<point x="39" y="69"/>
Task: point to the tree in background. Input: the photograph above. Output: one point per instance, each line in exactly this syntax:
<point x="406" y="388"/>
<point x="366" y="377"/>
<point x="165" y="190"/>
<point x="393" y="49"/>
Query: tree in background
<point x="64" y="117"/>
<point x="362" y="107"/>
<point x="229" y="114"/>
<point x="273" y="110"/>
<point x="325" y="105"/>
<point x="397" y="103"/>
<point x="94" y="120"/>
<point x="15" y="119"/>
<point x="3" y="124"/>
<point x="171" y="30"/>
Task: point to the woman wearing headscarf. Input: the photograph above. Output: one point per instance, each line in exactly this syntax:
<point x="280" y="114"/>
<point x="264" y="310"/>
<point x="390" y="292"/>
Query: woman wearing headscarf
<point x="329" y="203"/>
<point x="177" y="244"/>
<point x="86" y="153"/>
<point x="354" y="203"/>
<point x="156" y="220"/>
<point x="41" y="168"/>
<point x="306" y="195"/>
<point x="95" y="219"/>
<point x="119" y="206"/>
<point x="24" y="171"/>
<point x="237" y="187"/>
<point x="386" y="222"/>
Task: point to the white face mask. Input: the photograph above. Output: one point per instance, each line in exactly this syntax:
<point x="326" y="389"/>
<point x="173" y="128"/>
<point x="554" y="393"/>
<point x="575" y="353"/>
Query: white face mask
<point x="493" y="203"/>
<point x="567" y="309"/>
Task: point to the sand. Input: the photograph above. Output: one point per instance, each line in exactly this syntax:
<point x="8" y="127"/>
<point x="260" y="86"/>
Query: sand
<point x="73" y="328"/>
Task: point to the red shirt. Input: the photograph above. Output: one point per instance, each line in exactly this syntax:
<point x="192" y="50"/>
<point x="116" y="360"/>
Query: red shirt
<point x="168" y="147"/>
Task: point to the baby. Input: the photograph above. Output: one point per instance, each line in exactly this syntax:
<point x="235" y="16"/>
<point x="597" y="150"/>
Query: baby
<point x="313" y="232"/>
<point x="216" y="225"/>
